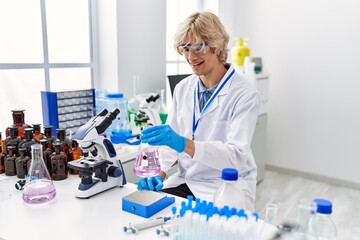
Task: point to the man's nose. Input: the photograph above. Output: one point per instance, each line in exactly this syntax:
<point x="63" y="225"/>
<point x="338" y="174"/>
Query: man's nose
<point x="192" y="55"/>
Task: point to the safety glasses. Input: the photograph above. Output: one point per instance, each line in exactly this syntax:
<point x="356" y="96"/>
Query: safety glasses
<point x="197" y="48"/>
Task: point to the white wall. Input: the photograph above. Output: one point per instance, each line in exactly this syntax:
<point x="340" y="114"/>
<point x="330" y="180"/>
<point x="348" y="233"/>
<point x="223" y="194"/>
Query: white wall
<point x="227" y="15"/>
<point x="311" y="50"/>
<point x="107" y="48"/>
<point x="132" y="35"/>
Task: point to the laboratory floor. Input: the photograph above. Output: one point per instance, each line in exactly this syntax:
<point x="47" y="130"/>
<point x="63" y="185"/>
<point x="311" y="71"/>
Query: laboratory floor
<point x="286" y="190"/>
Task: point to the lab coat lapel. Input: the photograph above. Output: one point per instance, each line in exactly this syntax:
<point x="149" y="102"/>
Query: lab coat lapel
<point x="190" y="97"/>
<point x="214" y="104"/>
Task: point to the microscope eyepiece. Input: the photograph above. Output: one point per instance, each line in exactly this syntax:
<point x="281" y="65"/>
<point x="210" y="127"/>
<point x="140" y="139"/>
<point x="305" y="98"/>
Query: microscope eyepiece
<point x="103" y="112"/>
<point x="115" y="112"/>
<point x="107" y="121"/>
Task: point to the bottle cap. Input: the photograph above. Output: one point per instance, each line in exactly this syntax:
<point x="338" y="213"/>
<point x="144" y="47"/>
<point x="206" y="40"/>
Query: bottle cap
<point x="323" y="206"/>
<point x="48" y="127"/>
<point x="48" y="131"/>
<point x="22" y="149"/>
<point x="13" y="128"/>
<point x="57" y="143"/>
<point x="115" y="95"/>
<point x="229" y="174"/>
<point x="11" y="149"/>
<point x="28" y="131"/>
<point x="60" y="133"/>
<point x="18" y="111"/>
<point x="36" y="126"/>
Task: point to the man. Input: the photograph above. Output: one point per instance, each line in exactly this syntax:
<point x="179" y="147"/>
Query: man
<point x="212" y="120"/>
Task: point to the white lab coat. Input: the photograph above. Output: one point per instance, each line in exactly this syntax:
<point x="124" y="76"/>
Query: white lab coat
<point x="222" y="139"/>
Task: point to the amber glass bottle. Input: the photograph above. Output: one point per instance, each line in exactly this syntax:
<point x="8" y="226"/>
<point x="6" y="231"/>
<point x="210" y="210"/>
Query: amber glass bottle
<point x="48" y="135"/>
<point x="76" y="153"/>
<point x="2" y="155"/>
<point x="37" y="132"/>
<point x="21" y="163"/>
<point x="13" y="139"/>
<point x="2" y="161"/>
<point x="19" y="121"/>
<point x="28" y="140"/>
<point x="46" y="154"/>
<point x="2" y="143"/>
<point x="66" y="143"/>
<point x="58" y="163"/>
<point x="10" y="167"/>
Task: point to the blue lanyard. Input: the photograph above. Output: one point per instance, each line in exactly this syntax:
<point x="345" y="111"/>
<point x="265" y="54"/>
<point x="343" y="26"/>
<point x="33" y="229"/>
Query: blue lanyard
<point x="196" y="122"/>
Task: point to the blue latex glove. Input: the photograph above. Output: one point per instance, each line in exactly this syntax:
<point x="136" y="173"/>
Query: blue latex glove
<point x="163" y="135"/>
<point x="151" y="183"/>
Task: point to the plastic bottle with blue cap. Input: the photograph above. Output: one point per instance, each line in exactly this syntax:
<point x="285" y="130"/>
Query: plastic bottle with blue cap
<point x="229" y="194"/>
<point x="321" y="226"/>
<point x="119" y="130"/>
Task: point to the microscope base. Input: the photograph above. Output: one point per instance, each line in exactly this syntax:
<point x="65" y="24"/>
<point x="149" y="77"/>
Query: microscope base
<point x="98" y="187"/>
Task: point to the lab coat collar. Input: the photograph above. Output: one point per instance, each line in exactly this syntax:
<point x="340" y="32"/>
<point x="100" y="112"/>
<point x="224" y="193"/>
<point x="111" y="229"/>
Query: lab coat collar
<point x="224" y="91"/>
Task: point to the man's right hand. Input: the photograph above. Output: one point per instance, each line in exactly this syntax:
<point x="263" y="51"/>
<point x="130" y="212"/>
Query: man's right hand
<point x="150" y="183"/>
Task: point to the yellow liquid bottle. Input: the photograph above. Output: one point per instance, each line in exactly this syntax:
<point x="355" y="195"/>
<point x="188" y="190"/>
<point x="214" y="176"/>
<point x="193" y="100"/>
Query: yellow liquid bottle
<point x="239" y="52"/>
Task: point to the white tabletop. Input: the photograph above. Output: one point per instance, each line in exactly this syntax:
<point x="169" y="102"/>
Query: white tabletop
<point x="67" y="217"/>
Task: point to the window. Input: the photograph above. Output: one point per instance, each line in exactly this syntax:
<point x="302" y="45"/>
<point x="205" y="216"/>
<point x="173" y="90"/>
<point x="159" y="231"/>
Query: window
<point x="177" y="11"/>
<point x="45" y="45"/>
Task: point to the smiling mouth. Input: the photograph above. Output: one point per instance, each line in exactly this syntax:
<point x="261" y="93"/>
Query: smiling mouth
<point x="196" y="64"/>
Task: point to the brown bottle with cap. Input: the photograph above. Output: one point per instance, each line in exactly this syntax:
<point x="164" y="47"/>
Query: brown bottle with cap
<point x="19" y="121"/>
<point x="75" y="154"/>
<point x="2" y="161"/>
<point x="28" y="140"/>
<point x="46" y="154"/>
<point x="66" y="143"/>
<point x="13" y="139"/>
<point x="2" y="143"/>
<point x="21" y="163"/>
<point x="48" y="135"/>
<point x="58" y="163"/>
<point x="10" y="167"/>
<point x="37" y="132"/>
<point x="2" y="155"/>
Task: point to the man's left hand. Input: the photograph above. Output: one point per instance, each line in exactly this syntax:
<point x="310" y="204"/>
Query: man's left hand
<point x="163" y="135"/>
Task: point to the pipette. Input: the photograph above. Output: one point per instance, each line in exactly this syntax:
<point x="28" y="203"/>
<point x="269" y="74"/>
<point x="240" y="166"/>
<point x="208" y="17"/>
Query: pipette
<point x="134" y="228"/>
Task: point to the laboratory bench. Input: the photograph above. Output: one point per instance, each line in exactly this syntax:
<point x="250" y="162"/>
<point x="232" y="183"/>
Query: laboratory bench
<point x="67" y="217"/>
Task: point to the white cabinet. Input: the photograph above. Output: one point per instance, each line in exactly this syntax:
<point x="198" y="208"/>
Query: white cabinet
<point x="258" y="146"/>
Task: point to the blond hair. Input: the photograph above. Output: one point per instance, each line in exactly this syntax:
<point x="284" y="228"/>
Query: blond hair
<point x="204" y="27"/>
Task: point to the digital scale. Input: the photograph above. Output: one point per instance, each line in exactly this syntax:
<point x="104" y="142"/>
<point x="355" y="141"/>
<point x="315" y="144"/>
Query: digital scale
<point x="146" y="203"/>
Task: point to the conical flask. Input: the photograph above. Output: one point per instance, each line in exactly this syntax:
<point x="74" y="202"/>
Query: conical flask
<point x="39" y="187"/>
<point x="147" y="161"/>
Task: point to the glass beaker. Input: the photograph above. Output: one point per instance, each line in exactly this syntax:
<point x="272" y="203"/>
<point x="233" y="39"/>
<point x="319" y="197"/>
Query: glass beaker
<point x="271" y="214"/>
<point x="39" y="187"/>
<point x="147" y="161"/>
